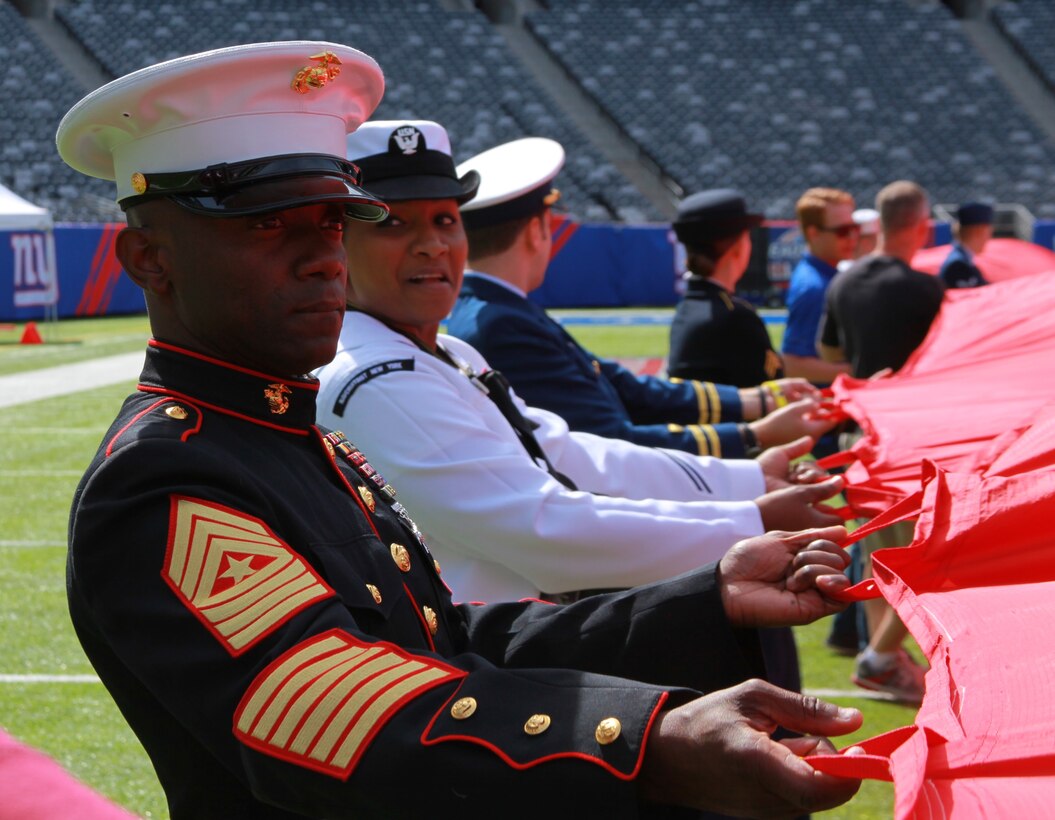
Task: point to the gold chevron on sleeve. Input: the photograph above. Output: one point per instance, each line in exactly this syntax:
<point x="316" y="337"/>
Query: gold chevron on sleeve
<point x="239" y="578"/>
<point x="320" y="704"/>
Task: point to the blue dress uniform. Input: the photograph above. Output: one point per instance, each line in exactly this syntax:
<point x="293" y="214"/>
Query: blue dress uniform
<point x="717" y="336"/>
<point x="274" y="629"/>
<point x="549" y="369"/>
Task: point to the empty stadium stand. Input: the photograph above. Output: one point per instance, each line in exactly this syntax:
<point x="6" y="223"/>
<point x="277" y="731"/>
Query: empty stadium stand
<point x="775" y="96"/>
<point x="1028" y="24"/>
<point x="448" y="66"/>
<point x="36" y="92"/>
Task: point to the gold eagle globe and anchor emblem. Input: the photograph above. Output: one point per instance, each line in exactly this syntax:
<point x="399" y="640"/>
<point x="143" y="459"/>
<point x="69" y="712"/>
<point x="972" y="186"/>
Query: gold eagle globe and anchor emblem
<point x="276" y="395"/>
<point x="316" y="76"/>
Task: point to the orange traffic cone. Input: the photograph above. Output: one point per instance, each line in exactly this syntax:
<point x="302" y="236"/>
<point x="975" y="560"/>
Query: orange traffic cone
<point x="31" y="336"/>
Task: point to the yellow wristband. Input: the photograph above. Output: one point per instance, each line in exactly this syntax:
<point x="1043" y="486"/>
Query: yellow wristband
<point x="776" y="392"/>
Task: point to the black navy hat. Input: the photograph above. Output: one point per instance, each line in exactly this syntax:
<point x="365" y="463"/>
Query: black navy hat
<point x="975" y="213"/>
<point x="712" y="215"/>
<point x="516" y="180"/>
<point x="409" y="159"/>
<point x="234" y="131"/>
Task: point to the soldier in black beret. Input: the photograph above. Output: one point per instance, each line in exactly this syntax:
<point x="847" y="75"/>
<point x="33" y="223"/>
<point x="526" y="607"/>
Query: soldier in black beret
<point x="715" y="335"/>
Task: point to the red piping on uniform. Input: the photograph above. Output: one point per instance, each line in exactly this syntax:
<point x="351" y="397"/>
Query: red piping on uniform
<point x="183" y="397"/>
<point x="312" y="385"/>
<point x="135" y="418"/>
<point x="421" y="617"/>
<point x="560" y="755"/>
<point x="351" y="490"/>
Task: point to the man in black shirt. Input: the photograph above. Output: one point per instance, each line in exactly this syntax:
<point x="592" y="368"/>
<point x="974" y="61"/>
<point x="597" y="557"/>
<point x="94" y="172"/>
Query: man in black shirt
<point x="879" y="310"/>
<point x="877" y="313"/>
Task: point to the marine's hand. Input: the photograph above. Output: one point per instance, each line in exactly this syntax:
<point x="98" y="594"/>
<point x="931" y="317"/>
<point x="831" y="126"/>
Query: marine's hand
<point x="784" y="578"/>
<point x="715" y="753"/>
<point x="802" y="418"/>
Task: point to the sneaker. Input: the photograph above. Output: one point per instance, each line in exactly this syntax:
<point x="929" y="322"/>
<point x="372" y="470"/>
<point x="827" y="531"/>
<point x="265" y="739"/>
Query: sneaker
<point x="902" y="679"/>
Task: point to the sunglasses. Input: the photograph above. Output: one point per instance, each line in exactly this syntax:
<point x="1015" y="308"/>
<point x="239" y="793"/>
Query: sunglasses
<point x="843" y="231"/>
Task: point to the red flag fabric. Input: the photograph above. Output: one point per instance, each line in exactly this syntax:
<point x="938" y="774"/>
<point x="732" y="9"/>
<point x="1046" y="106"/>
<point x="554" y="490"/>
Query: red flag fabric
<point x="35" y="787"/>
<point x="976" y="588"/>
<point x="982" y="324"/>
<point x="980" y="373"/>
<point x="1003" y="258"/>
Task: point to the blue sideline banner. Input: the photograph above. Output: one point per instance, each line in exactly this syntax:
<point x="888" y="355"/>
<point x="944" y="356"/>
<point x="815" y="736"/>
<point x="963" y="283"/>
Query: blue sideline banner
<point x="592" y="265"/>
<point x="88" y="278"/>
<point x="608" y="266"/>
<point x="28" y="284"/>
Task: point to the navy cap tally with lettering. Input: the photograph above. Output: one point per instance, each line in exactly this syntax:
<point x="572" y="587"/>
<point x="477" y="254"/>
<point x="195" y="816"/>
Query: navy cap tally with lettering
<point x="708" y="216"/>
<point x="975" y="213"/>
<point x="515" y="181"/>
<point x="409" y="159"/>
<point x="235" y="131"/>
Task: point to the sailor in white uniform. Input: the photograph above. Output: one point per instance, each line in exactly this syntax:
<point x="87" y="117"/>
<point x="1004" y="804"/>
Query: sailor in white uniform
<point x="512" y="503"/>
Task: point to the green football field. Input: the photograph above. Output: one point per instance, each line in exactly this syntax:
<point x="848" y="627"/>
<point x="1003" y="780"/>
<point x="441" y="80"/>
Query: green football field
<point x="49" y="696"/>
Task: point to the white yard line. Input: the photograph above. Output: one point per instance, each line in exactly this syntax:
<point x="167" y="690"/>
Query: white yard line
<point x="39" y="473"/>
<point x="49" y="679"/>
<point x="849" y="693"/>
<point x="32" y="544"/>
<point x="20" y="388"/>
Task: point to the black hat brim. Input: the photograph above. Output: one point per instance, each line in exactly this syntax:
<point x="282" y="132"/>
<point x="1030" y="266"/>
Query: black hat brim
<point x="424" y="186"/>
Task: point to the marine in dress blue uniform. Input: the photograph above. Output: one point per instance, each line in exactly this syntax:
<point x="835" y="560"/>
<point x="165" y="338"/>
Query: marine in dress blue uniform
<point x="265" y="613"/>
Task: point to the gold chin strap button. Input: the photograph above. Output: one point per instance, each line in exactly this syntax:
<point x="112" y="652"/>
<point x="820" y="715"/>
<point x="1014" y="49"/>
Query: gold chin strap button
<point x="174" y="411"/>
<point x="401" y="556"/>
<point x="431" y="619"/>
<point x="375" y="592"/>
<point x="463" y="708"/>
<point x="436" y="566"/>
<point x="537" y="724"/>
<point x="608" y="731"/>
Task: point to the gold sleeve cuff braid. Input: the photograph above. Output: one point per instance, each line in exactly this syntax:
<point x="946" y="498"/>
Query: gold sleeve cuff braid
<point x="707" y="441"/>
<point x="707" y="400"/>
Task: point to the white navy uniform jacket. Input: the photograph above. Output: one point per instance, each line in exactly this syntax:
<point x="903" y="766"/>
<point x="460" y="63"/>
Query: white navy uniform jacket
<point x="501" y="526"/>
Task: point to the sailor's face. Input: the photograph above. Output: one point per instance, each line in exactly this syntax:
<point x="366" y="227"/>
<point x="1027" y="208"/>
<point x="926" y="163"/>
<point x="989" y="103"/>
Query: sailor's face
<point x="408" y="269"/>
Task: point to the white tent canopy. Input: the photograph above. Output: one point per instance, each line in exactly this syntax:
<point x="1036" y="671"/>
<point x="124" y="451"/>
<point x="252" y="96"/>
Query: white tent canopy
<point x="18" y="214"/>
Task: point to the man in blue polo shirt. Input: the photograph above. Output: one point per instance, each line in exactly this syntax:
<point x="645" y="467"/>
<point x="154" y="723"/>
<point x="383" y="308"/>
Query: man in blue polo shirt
<point x="826" y="219"/>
